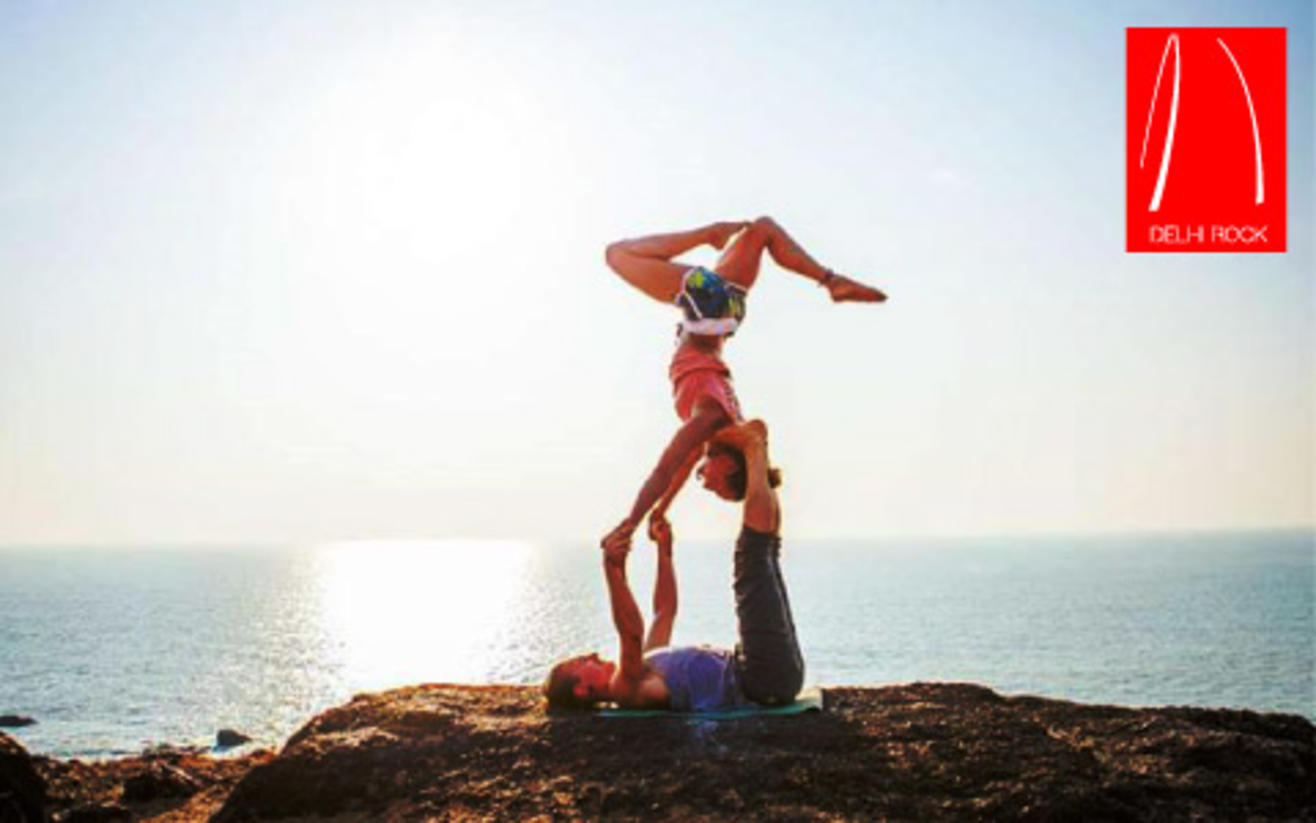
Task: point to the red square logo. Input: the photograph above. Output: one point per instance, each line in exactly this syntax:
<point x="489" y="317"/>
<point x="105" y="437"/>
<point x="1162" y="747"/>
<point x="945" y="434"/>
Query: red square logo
<point x="1205" y="140"/>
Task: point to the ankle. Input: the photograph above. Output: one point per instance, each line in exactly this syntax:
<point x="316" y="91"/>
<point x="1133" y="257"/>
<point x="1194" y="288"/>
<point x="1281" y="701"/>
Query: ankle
<point x="756" y="458"/>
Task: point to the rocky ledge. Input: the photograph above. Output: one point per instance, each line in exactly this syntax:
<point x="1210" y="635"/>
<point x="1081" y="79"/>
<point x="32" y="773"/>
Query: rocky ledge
<point x="915" y="752"/>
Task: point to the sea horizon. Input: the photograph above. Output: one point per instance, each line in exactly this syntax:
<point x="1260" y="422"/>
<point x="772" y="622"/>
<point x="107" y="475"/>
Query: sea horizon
<point x="1304" y="530"/>
<point x="113" y="651"/>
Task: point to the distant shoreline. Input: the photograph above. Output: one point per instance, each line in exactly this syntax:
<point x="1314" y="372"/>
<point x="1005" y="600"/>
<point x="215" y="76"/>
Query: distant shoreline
<point x="1300" y="530"/>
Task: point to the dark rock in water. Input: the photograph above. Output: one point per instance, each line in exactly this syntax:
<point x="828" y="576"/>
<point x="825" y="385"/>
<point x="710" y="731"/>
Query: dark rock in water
<point x="95" y="813"/>
<point x="160" y="780"/>
<point x="923" y="751"/>
<point x="228" y="738"/>
<point x="15" y="721"/>
<point x="23" y="790"/>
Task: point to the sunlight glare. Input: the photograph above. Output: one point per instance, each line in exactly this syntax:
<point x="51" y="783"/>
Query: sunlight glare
<point x="405" y="611"/>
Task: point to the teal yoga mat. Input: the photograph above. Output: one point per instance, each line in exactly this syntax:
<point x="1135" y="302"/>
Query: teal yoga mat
<point x="810" y="700"/>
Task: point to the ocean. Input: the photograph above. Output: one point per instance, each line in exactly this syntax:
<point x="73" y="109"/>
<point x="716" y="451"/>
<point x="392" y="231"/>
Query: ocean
<point x="115" y="650"/>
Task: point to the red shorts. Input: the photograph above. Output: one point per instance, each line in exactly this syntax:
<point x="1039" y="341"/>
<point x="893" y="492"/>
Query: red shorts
<point x="716" y="384"/>
<point x="696" y="372"/>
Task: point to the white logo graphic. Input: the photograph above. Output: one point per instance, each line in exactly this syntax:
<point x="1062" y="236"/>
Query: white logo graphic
<point x="1173" y="40"/>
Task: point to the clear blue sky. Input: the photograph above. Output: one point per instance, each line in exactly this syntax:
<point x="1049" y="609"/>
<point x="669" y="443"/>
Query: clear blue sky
<point x="298" y="271"/>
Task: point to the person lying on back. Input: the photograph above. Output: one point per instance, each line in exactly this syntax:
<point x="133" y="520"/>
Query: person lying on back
<point x="764" y="668"/>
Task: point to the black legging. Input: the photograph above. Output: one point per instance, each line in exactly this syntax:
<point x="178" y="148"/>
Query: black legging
<point x="768" y="654"/>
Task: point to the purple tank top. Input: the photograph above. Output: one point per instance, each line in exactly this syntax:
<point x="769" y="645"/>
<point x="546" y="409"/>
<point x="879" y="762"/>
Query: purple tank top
<point x="698" y="678"/>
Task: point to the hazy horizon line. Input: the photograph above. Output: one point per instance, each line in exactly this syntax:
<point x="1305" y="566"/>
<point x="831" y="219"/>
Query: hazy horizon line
<point x="1304" y="529"/>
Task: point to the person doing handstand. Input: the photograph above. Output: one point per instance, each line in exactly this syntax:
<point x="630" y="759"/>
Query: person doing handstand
<point x="712" y="303"/>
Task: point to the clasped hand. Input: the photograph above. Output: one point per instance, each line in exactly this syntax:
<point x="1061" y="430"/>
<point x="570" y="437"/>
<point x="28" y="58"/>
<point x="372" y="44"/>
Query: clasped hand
<point x="616" y="544"/>
<point x="660" y="532"/>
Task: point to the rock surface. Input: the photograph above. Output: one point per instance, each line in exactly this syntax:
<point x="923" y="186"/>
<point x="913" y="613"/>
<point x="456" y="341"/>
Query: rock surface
<point x="96" y="813"/>
<point x="21" y="787"/>
<point x="160" y="780"/>
<point x="924" y="751"/>
<point x="916" y="752"/>
<point x="163" y="785"/>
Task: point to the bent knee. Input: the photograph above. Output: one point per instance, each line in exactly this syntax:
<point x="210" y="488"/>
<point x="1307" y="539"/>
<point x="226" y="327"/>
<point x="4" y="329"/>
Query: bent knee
<point x="615" y="255"/>
<point x="764" y="225"/>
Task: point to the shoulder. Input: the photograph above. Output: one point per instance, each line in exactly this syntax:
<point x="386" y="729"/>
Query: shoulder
<point x="709" y="413"/>
<point x="649" y="691"/>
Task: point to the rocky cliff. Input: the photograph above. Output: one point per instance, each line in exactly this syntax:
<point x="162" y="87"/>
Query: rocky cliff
<point x="923" y="751"/>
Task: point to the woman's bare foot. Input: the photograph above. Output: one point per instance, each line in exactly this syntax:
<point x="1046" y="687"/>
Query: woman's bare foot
<point x="844" y="290"/>
<point x="743" y="436"/>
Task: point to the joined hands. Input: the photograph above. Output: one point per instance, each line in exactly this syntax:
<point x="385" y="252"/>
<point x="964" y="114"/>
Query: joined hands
<point x="660" y="532"/>
<point x="616" y="544"/>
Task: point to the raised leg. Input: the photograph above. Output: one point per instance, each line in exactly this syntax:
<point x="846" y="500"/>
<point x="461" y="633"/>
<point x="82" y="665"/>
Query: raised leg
<point x="646" y="262"/>
<point x="768" y="653"/>
<point x="761" y="511"/>
<point x="740" y="262"/>
<point x="770" y="663"/>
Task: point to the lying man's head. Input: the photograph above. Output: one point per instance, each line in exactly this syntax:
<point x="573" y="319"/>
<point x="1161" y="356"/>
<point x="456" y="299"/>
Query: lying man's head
<point x="579" y="682"/>
<point x="723" y="472"/>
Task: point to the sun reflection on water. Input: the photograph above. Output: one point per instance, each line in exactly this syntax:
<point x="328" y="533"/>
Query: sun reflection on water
<point x="409" y="611"/>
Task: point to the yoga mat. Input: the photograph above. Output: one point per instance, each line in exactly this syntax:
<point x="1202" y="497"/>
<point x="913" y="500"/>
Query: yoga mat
<point x="810" y="700"/>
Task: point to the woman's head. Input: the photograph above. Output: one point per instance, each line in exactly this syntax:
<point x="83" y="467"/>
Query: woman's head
<point x="579" y="682"/>
<point x="723" y="472"/>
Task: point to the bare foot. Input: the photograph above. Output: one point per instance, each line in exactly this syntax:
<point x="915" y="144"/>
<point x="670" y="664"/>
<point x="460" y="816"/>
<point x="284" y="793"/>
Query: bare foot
<point x="844" y="290"/>
<point x="720" y="233"/>
<point x="743" y="436"/>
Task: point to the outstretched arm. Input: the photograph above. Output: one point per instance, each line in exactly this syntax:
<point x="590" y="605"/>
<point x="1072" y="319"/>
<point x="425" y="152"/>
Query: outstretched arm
<point x="664" y="584"/>
<point x="708" y="417"/>
<point x="625" y="614"/>
<point x="681" y="453"/>
<point x="658" y="516"/>
<point x="664" y="588"/>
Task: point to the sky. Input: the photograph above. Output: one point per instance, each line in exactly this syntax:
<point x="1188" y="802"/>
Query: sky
<point x="286" y="272"/>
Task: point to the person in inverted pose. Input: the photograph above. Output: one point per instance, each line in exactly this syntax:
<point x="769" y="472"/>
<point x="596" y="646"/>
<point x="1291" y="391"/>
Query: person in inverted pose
<point x="713" y="304"/>
<point x="765" y="667"/>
